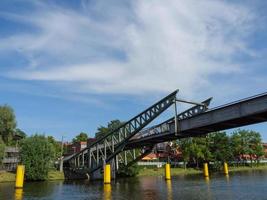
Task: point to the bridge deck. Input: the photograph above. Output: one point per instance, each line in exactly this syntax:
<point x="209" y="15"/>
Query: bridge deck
<point x="244" y="112"/>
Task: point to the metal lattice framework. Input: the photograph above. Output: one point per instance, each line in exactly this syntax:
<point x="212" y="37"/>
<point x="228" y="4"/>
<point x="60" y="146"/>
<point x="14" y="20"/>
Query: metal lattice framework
<point x="110" y="148"/>
<point x="164" y="127"/>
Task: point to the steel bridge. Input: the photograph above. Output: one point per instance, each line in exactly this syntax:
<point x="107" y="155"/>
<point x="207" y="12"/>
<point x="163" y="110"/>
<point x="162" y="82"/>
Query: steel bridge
<point x="121" y="147"/>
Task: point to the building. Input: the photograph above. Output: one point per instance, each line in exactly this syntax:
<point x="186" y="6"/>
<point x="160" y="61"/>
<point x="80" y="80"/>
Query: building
<point x="162" y="152"/>
<point x="72" y="148"/>
<point x="11" y="158"/>
<point x="90" y="141"/>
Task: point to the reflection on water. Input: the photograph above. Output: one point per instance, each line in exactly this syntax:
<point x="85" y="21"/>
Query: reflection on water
<point x="209" y="193"/>
<point x="18" y="194"/>
<point x="107" y="192"/>
<point x="169" y="189"/>
<point x="227" y="178"/>
<point x="249" y="185"/>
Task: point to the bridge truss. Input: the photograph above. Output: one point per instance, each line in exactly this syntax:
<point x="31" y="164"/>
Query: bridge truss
<point x="111" y="147"/>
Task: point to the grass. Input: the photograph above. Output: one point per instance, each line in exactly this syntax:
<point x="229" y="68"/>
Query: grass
<point x="161" y="171"/>
<point x="55" y="175"/>
<point x="7" y="177"/>
<point x="11" y="177"/>
<point x="247" y="168"/>
<point x="191" y="171"/>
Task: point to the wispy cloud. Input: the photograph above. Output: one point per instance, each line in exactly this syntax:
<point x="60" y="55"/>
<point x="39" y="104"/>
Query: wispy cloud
<point x="135" y="48"/>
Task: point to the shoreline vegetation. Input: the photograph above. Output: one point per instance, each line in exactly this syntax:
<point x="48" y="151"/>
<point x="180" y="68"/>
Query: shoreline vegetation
<point x="11" y="177"/>
<point x="56" y="175"/>
<point x="192" y="171"/>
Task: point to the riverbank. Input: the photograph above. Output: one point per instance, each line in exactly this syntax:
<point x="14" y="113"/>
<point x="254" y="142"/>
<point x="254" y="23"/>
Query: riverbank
<point x="11" y="177"/>
<point x="161" y="171"/>
<point x="247" y="168"/>
<point x="7" y="177"/>
<point x="192" y="171"/>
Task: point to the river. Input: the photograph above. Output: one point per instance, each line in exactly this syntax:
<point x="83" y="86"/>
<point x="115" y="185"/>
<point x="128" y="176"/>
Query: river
<point x="245" y="185"/>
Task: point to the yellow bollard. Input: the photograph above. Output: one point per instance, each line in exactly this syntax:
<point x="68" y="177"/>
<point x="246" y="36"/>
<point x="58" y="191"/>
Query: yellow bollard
<point x="206" y="170"/>
<point x="168" y="171"/>
<point x="107" y="174"/>
<point x="20" y="176"/>
<point x="225" y="168"/>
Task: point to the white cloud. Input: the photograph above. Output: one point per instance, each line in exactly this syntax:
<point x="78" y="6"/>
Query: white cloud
<point x="140" y="48"/>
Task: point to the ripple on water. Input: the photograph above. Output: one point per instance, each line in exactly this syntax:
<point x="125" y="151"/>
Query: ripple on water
<point x="241" y="185"/>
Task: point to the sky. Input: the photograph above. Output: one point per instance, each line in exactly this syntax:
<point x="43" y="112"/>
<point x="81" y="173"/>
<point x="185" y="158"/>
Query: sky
<point x="72" y="66"/>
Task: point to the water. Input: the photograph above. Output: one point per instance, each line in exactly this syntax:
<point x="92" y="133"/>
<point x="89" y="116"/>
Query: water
<point x="246" y="185"/>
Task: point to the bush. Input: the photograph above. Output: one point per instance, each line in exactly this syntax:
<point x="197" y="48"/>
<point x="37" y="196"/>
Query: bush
<point x="128" y="171"/>
<point x="37" y="154"/>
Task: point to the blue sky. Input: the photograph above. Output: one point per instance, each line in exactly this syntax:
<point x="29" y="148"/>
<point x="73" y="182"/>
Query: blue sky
<point x="71" y="66"/>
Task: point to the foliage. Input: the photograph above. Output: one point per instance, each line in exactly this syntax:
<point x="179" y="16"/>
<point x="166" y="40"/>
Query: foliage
<point x="246" y="142"/>
<point x="7" y="123"/>
<point x="2" y="150"/>
<point x="112" y="125"/>
<point x="130" y="171"/>
<point x="195" y="150"/>
<point x="220" y="147"/>
<point x="56" y="145"/>
<point x="37" y="154"/>
<point x="82" y="137"/>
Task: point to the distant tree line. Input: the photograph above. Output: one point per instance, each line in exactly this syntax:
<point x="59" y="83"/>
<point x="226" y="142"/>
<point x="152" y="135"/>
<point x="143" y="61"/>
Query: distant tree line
<point x="220" y="147"/>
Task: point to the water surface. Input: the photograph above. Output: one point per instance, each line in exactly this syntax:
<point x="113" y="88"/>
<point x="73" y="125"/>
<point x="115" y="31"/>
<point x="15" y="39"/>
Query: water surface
<point x="245" y="185"/>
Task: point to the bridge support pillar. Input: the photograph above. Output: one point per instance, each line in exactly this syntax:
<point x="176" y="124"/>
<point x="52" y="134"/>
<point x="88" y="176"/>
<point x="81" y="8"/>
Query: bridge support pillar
<point x="206" y="170"/>
<point x="107" y="174"/>
<point x="168" y="171"/>
<point x="225" y="168"/>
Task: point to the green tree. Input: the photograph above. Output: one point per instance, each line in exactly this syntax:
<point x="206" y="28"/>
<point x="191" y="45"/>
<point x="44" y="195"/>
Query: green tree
<point x="200" y="150"/>
<point x="82" y="137"/>
<point x="112" y="125"/>
<point x="56" y="145"/>
<point x="37" y="154"/>
<point x="245" y="142"/>
<point x="185" y="146"/>
<point x="2" y="150"/>
<point x="7" y="123"/>
<point x="130" y="171"/>
<point x="195" y="150"/>
<point x="220" y="146"/>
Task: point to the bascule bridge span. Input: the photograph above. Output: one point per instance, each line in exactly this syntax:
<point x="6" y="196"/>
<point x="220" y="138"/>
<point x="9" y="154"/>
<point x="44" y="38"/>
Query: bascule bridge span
<point x="121" y="147"/>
